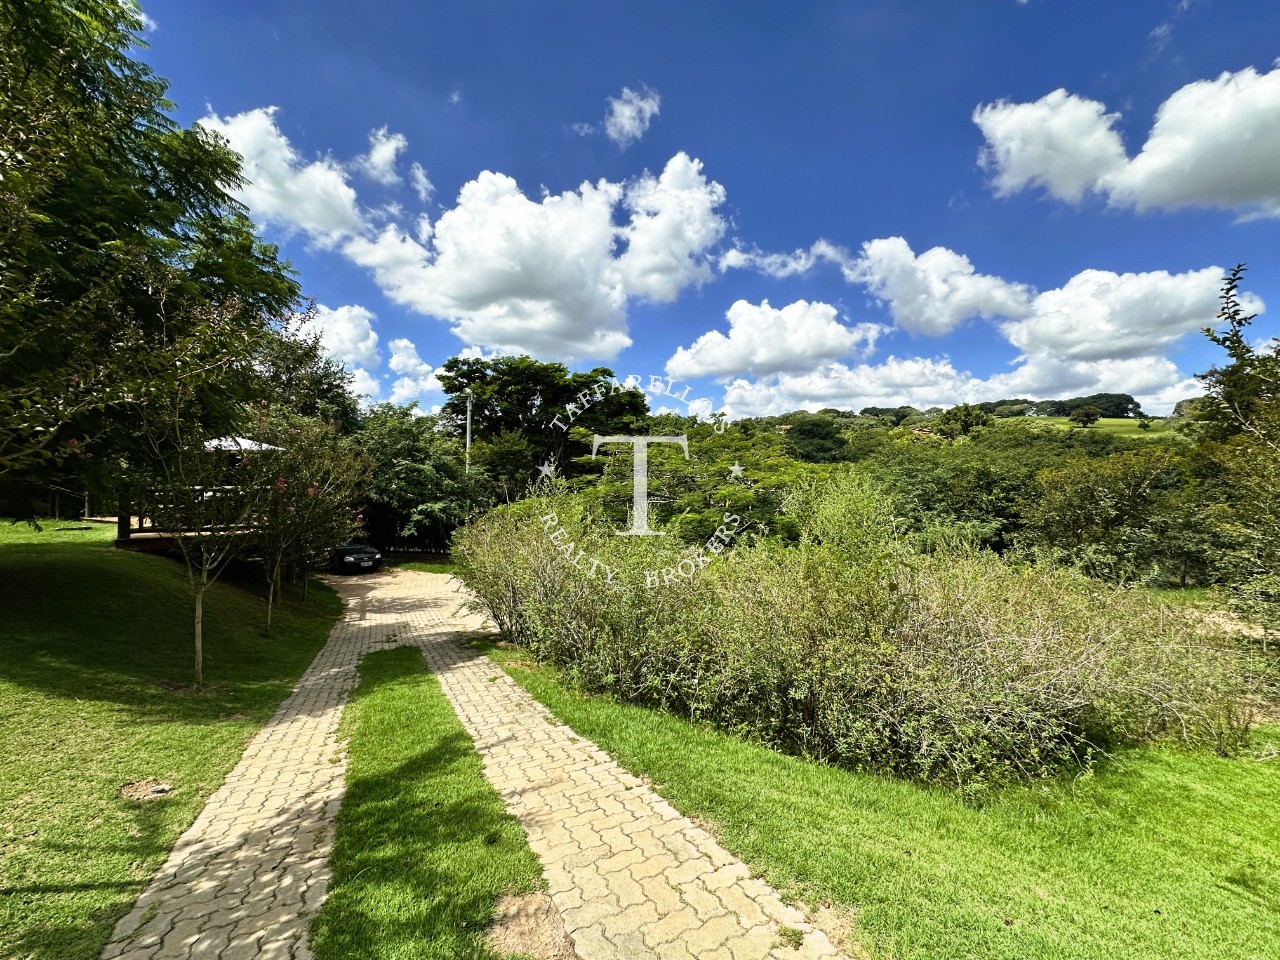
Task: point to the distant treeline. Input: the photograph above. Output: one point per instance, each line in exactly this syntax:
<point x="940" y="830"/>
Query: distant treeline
<point x="1111" y="404"/>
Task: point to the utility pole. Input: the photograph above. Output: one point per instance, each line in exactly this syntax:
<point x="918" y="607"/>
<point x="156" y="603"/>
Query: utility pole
<point x="469" y="399"/>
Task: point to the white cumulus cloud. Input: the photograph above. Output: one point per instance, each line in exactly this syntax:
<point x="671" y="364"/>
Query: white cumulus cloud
<point x="1213" y="144"/>
<point x="1061" y="142"/>
<point x="347" y="334"/>
<point x="763" y="340"/>
<point x="673" y="221"/>
<point x="545" y="277"/>
<point x="416" y="376"/>
<point x="630" y="114"/>
<point x="282" y="188"/>
<point x="934" y="292"/>
<point x="551" y="277"/>
<point x="1099" y="332"/>
<point x="925" y="382"/>
<point x="379" y="164"/>
<point x="1100" y="315"/>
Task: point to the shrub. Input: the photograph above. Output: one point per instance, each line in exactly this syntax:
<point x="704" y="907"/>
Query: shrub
<point x="850" y="647"/>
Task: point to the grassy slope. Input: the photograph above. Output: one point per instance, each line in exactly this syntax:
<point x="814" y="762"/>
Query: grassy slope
<point x="1118" y="425"/>
<point x="424" y="844"/>
<point x="95" y="668"/>
<point x="1164" y="854"/>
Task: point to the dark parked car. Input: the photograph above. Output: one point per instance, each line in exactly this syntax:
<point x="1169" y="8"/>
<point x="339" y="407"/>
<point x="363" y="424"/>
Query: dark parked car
<point x="355" y="558"/>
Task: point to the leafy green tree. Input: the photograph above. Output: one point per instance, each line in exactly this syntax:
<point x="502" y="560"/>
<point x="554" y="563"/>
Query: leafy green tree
<point x="1102" y="514"/>
<point x="815" y="438"/>
<point x="310" y="483"/>
<point x="961" y="420"/>
<point x="300" y="376"/>
<point x="206" y="499"/>
<point x="540" y="402"/>
<point x="417" y="488"/>
<point x="119" y="233"/>
<point x="1085" y="416"/>
<point x="1250" y="380"/>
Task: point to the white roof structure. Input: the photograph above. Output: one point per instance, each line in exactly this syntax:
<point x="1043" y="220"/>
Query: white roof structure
<point x="237" y="445"/>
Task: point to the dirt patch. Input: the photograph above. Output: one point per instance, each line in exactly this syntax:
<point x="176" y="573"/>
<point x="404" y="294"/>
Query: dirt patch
<point x="148" y="789"/>
<point x="838" y="924"/>
<point x="529" y="924"/>
<point x="1224" y="621"/>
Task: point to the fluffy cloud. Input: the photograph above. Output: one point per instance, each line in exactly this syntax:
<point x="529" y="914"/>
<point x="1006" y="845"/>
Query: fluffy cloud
<point x="511" y="273"/>
<point x="347" y="334"/>
<point x="934" y="381"/>
<point x="379" y="164"/>
<point x="551" y="277"/>
<point x="1099" y="332"/>
<point x="1213" y="144"/>
<point x="281" y="188"/>
<point x="673" y="220"/>
<point x="934" y="292"/>
<point x="544" y="277"/>
<point x="1061" y="142"/>
<point x="365" y="384"/>
<point x="763" y="340"/>
<point x="1099" y="315"/>
<point x="630" y="114"/>
<point x="416" y="376"/>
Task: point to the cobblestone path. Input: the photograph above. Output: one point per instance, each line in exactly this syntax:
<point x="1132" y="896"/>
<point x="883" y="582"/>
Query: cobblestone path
<point x="631" y="878"/>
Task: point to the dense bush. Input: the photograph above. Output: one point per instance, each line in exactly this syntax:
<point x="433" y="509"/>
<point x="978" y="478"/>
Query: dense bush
<point x="850" y="647"/>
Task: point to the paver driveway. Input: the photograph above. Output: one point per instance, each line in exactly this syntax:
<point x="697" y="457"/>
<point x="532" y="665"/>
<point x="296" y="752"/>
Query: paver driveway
<point x="630" y="876"/>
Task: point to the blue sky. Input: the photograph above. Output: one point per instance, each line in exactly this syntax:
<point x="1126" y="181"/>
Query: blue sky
<point x="783" y="205"/>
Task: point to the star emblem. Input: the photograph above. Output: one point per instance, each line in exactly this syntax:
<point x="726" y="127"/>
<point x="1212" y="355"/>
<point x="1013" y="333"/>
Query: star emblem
<point x="736" y="470"/>
<point x="547" y="469"/>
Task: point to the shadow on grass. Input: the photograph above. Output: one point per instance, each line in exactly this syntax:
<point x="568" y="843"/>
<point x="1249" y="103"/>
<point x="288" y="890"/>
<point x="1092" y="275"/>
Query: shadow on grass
<point x="424" y="845"/>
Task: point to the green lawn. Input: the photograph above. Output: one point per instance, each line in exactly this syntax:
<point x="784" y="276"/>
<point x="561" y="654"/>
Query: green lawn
<point x="95" y="693"/>
<point x="1159" y="854"/>
<point x="401" y="562"/>
<point x="424" y="845"/>
<point x="1120" y="426"/>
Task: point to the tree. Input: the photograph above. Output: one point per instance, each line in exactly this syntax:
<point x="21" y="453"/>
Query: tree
<point x="302" y="377"/>
<point x="1102" y="513"/>
<point x="117" y="225"/>
<point x="1085" y="416"/>
<point x="1250" y="381"/>
<point x="526" y="396"/>
<point x="207" y="500"/>
<point x="310" y="485"/>
<point x="815" y="438"/>
<point x="1240" y="429"/>
<point x="417" y="488"/>
<point x="961" y="420"/>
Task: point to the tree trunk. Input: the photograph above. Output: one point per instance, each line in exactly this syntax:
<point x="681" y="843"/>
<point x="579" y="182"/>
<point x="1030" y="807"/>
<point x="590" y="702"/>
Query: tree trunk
<point x="200" y="631"/>
<point x="273" y="590"/>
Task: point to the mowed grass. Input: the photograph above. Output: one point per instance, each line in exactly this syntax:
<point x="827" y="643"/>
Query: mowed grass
<point x="1121" y="426"/>
<point x="95" y="692"/>
<point x="424" y="845"/>
<point x="1160" y="853"/>
<point x="437" y="564"/>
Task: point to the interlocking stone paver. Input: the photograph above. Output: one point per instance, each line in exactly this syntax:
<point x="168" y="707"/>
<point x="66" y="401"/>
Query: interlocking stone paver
<point x="631" y="877"/>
